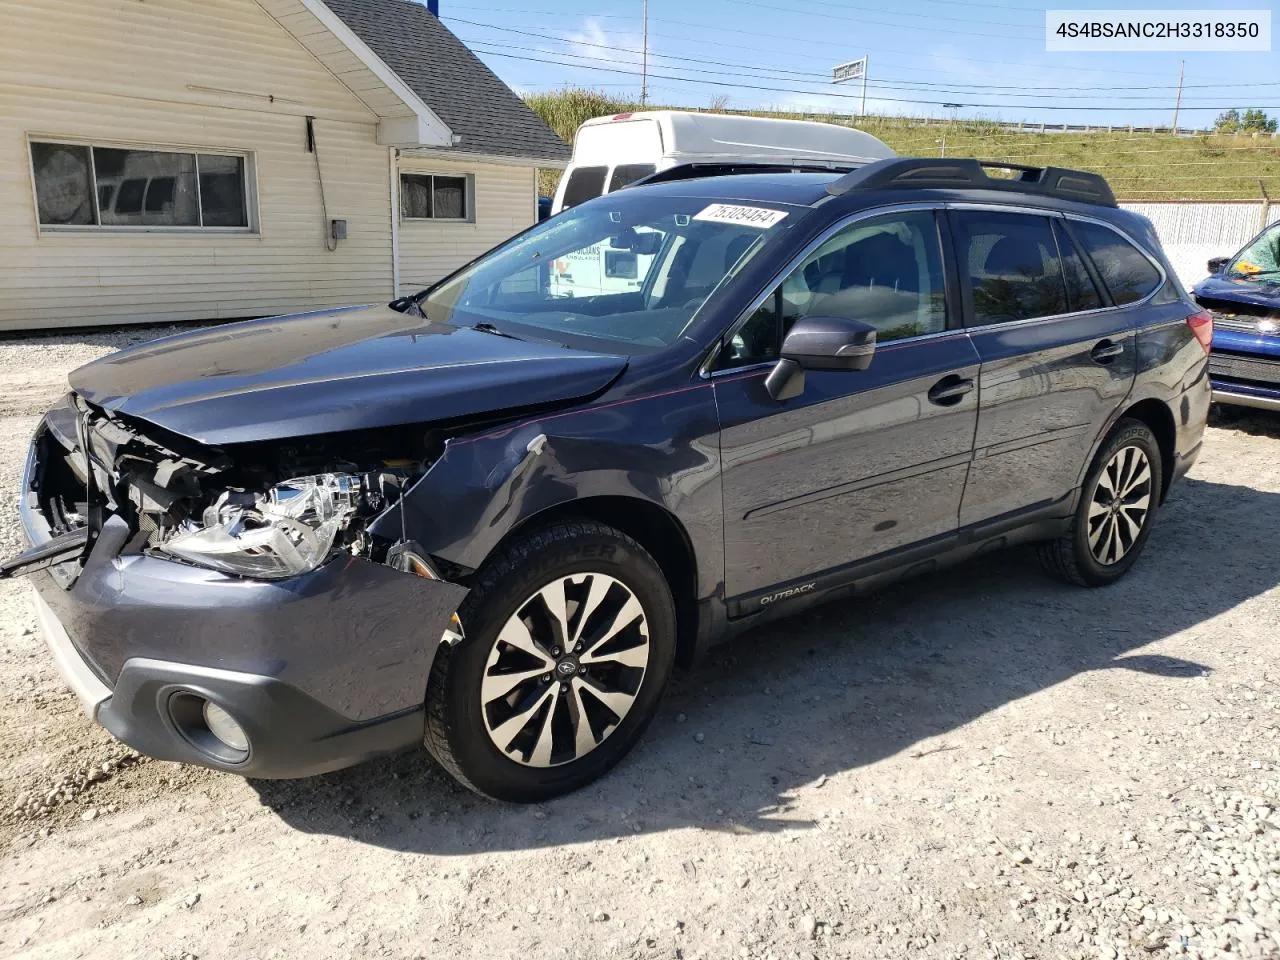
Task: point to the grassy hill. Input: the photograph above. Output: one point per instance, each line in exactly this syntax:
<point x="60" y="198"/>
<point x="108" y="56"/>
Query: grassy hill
<point x="1139" y="166"/>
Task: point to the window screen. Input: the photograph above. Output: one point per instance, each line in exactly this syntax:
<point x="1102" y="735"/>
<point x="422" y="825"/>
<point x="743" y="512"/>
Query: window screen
<point x="138" y="188"/>
<point x="585" y="183"/>
<point x="1010" y="262"/>
<point x="629" y="173"/>
<point x="1126" y="271"/>
<point x="425" y="196"/>
<point x="64" y="184"/>
<point x="449" y="196"/>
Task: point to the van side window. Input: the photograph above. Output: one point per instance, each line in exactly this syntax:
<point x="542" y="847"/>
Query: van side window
<point x="1009" y="266"/>
<point x="885" y="271"/>
<point x="1126" y="271"/>
<point x="585" y="183"/>
<point x="1082" y="293"/>
<point x="628" y="173"/>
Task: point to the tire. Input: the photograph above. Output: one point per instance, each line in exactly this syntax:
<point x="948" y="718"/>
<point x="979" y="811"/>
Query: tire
<point x="1088" y="554"/>
<point x="474" y="726"/>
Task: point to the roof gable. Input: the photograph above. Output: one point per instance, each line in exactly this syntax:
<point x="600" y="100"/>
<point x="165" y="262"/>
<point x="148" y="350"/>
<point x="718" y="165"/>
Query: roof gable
<point x="484" y="115"/>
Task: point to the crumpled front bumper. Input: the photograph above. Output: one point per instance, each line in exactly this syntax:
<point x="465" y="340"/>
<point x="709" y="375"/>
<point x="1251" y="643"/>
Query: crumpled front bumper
<point x="321" y="671"/>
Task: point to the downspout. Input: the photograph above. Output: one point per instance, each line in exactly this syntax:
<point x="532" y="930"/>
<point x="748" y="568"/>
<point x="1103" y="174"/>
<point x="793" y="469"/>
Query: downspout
<point x="394" y="156"/>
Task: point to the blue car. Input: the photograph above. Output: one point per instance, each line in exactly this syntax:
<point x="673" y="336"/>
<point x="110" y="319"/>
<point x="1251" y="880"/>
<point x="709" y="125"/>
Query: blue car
<point x="1243" y="294"/>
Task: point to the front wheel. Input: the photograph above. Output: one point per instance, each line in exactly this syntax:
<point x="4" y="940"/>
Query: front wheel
<point x="1117" y="505"/>
<point x="570" y="639"/>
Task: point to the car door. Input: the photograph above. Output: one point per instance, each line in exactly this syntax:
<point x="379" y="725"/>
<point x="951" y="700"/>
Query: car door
<point x="860" y="463"/>
<point x="1057" y="358"/>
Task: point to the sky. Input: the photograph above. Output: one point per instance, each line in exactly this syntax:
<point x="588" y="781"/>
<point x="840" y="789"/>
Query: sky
<point x="930" y="58"/>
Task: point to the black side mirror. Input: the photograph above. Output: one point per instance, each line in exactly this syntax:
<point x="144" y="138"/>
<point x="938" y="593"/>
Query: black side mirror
<point x="820" y="343"/>
<point x="1217" y="263"/>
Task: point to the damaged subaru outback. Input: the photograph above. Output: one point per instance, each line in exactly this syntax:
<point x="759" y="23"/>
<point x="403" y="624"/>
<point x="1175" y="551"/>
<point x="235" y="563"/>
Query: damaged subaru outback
<point x="493" y="516"/>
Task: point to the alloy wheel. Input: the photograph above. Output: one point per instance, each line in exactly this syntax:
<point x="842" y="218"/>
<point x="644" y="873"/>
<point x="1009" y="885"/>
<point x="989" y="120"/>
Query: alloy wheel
<point x="1120" y="505"/>
<point x="565" y="670"/>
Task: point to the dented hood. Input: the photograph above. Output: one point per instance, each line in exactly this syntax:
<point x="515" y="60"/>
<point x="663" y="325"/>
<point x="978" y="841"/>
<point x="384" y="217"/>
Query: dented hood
<point x="336" y="370"/>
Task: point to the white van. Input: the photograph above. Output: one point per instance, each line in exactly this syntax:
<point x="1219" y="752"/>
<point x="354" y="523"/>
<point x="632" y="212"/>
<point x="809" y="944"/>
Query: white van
<point x="611" y="152"/>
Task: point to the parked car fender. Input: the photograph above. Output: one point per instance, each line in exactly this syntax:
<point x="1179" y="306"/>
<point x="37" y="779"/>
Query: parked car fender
<point x="488" y="485"/>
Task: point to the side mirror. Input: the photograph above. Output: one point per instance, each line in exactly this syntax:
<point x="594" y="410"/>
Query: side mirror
<point x="820" y="343"/>
<point x="1217" y="263"/>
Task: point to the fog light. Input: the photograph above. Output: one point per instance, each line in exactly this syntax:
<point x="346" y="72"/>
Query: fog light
<point x="222" y="726"/>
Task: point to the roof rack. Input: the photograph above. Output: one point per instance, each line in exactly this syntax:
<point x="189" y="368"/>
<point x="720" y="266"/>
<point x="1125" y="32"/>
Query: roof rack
<point x="944" y="174"/>
<point x="692" y="171"/>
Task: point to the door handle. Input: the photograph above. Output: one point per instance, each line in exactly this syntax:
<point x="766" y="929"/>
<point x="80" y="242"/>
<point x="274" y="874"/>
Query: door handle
<point x="949" y="390"/>
<point x="1104" y="351"/>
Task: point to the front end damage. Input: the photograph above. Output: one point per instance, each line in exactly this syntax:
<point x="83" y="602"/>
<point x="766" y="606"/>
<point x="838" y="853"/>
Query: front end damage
<point x="231" y="607"/>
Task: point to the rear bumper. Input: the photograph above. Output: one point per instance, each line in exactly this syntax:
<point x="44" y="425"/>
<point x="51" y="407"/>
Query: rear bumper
<point x="321" y="671"/>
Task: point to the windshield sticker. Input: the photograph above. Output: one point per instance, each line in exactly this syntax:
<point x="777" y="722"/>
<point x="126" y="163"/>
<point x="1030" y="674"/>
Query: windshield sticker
<point x="741" y="216"/>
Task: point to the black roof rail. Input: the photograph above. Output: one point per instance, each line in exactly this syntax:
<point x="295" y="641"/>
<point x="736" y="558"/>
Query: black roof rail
<point x="962" y="173"/>
<point x="692" y="171"/>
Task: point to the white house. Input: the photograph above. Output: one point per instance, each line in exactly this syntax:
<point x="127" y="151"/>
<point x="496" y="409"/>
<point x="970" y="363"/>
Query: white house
<point x="210" y="159"/>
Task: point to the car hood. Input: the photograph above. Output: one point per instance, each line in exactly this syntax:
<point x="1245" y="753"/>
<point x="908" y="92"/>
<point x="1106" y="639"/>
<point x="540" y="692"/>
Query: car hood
<point x="335" y="370"/>
<point x="1260" y="293"/>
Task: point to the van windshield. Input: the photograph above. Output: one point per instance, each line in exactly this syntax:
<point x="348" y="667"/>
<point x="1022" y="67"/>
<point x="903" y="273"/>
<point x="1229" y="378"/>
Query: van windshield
<point x="628" y="269"/>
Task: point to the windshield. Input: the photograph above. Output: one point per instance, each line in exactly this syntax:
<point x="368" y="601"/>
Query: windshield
<point x="627" y="268"/>
<point x="1260" y="258"/>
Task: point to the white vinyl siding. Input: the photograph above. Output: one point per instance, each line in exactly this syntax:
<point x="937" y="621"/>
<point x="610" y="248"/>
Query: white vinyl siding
<point x="504" y="202"/>
<point x="214" y="76"/>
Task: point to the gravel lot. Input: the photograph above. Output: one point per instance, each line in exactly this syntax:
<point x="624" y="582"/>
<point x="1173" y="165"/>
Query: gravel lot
<point x="982" y="764"/>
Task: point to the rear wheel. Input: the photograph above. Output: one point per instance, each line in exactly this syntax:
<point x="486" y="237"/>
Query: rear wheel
<point x="1117" y="506"/>
<point x="570" y="638"/>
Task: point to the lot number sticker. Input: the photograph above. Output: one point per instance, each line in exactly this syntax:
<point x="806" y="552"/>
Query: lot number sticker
<point x="741" y="216"/>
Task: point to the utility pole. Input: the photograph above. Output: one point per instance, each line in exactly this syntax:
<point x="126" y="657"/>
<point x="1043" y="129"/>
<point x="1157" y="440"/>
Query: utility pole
<point x="866" y="65"/>
<point x="644" y="61"/>
<point x="1177" y="104"/>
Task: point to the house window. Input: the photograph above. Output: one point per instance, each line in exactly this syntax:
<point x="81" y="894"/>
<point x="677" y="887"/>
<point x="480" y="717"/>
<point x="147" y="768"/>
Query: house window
<point x="114" y="187"/>
<point x="428" y="196"/>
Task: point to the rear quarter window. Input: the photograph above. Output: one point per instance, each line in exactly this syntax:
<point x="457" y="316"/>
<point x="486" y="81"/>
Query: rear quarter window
<point x="1125" y="269"/>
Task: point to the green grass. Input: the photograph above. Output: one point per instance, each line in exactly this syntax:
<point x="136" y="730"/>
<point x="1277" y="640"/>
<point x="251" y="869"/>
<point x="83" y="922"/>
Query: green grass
<point x="1139" y="166"/>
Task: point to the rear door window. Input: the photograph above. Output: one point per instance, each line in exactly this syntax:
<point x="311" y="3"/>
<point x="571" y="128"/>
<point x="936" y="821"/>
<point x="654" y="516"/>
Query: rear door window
<point x="585" y="183"/>
<point x="1009" y="266"/>
<point x="629" y="173"/>
<point x="1125" y="269"/>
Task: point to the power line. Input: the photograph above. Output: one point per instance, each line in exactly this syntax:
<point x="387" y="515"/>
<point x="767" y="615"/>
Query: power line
<point x="882" y="85"/>
<point x="812" y="41"/>
<point x="888" y="23"/>
<point x="819" y="93"/>
<point x="889" y="83"/>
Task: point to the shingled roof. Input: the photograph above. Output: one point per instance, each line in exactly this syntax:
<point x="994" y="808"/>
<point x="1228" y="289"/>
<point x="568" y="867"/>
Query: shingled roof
<point x="479" y="108"/>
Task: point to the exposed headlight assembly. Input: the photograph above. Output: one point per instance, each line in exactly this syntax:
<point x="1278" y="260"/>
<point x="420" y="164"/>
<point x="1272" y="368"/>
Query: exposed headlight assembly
<point x="288" y="530"/>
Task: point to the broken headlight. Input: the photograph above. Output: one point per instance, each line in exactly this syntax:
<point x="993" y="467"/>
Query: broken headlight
<point x="288" y="530"/>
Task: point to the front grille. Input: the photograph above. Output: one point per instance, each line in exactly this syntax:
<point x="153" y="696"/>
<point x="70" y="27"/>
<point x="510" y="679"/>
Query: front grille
<point x="1237" y="366"/>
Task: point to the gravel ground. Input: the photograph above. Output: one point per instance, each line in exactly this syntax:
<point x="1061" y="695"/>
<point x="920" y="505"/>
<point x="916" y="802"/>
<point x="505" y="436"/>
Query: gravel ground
<point x="980" y="764"/>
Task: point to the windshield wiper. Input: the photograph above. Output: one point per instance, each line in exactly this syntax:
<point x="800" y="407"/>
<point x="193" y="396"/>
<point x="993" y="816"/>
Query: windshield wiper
<point x="485" y="326"/>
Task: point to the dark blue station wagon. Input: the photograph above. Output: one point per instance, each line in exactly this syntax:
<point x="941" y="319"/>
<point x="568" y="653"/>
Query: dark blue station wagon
<point x="491" y="517"/>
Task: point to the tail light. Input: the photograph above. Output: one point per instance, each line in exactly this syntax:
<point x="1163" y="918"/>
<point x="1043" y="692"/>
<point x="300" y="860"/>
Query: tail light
<point x="1201" y="325"/>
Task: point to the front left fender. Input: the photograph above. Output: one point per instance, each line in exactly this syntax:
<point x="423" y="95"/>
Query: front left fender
<point x="663" y="449"/>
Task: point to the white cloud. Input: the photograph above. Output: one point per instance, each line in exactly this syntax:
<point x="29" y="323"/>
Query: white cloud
<point x="595" y="43"/>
